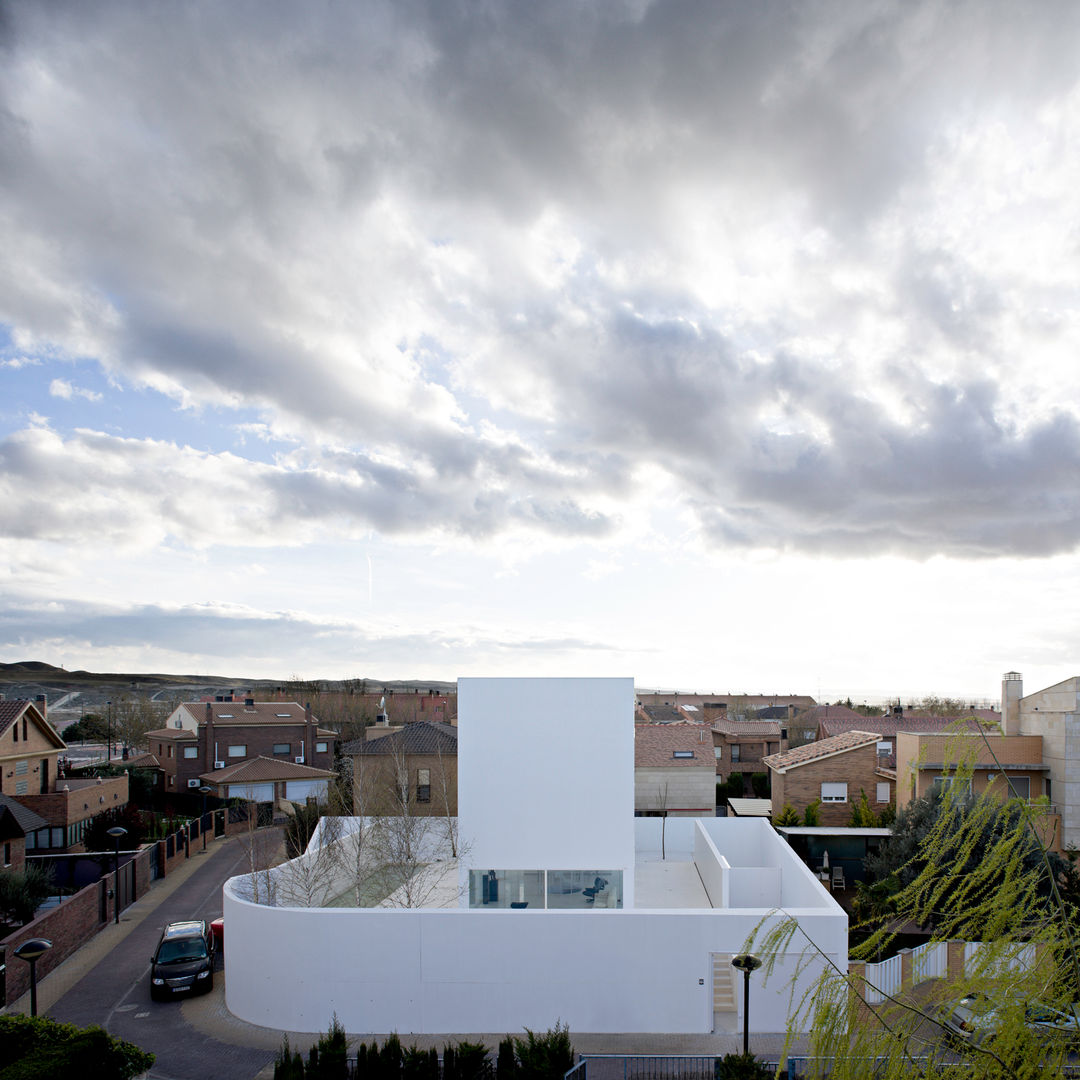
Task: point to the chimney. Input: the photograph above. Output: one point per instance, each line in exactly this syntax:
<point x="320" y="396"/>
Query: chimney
<point x="309" y="735"/>
<point x="1012" y="690"/>
<point x="42" y="704"/>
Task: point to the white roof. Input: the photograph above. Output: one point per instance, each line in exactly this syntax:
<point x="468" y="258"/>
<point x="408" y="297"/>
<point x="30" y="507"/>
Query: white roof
<point x="751" y="807"/>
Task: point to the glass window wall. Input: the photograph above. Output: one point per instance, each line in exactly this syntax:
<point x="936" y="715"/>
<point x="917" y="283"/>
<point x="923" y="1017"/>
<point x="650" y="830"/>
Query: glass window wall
<point x="579" y="890"/>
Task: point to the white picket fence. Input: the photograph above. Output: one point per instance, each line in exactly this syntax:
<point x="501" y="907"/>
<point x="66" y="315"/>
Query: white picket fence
<point x="931" y="961"/>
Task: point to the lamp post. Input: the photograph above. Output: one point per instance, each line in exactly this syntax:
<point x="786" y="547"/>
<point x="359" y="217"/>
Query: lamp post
<point x="746" y="962"/>
<point x="30" y="950"/>
<point x="108" y="732"/>
<point x="116" y="832"/>
<point x="204" y="791"/>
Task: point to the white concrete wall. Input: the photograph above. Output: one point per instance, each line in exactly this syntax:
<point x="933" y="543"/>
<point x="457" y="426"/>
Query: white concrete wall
<point x="465" y="971"/>
<point x="713" y="869"/>
<point x="546" y="774"/>
<point x="1054" y="713"/>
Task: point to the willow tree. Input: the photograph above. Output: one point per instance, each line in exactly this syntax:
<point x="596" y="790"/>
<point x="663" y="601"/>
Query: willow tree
<point x="981" y="873"/>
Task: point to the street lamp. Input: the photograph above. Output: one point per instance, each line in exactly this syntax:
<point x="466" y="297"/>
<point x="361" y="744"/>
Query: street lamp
<point x="108" y="732"/>
<point x="116" y="832"/>
<point x="746" y="962"/>
<point x="29" y="951"/>
<point x="204" y="791"/>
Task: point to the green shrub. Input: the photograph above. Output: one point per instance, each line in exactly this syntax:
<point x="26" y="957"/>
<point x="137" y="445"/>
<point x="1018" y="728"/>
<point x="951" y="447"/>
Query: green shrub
<point x="741" y="1067"/>
<point x="735" y="785"/>
<point x="759" y="782"/>
<point x="812" y="817"/>
<point x="788" y="815"/>
<point x="37" y="1048"/>
<point x="21" y="891"/>
<point x="505" y="1063"/>
<point x="544" y="1057"/>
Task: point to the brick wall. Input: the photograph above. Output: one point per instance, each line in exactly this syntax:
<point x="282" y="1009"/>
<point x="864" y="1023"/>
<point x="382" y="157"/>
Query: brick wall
<point x="68" y="927"/>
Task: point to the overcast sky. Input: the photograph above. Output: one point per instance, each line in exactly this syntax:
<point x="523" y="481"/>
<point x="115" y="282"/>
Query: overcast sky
<point x="727" y="346"/>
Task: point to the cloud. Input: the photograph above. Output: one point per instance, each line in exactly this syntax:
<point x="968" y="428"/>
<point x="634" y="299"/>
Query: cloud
<point x="61" y="388"/>
<point x="482" y="270"/>
<point x="198" y="635"/>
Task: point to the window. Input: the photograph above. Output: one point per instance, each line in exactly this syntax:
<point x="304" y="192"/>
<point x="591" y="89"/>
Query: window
<point x="191" y="752"/>
<point x="7" y="854"/>
<point x="682" y="753"/>
<point x="883" y="792"/>
<point x="282" y="748"/>
<point x="224" y="715"/>
<point x="736" y="752"/>
<point x="1019" y="787"/>
<point x="718" y="753"/>
<point x="24" y="729"/>
<point x="943" y="782"/>
<point x="238" y="750"/>
<point x="320" y="748"/>
<point x="22" y="768"/>
<point x="283" y="715"/>
<point x="884" y="748"/>
<point x="423" y="785"/>
<point x="834" y="793"/>
<point x="15" y="731"/>
<point x="170" y="752"/>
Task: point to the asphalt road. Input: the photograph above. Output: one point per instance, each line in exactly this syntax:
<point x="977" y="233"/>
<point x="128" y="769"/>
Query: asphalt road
<point x="115" y="993"/>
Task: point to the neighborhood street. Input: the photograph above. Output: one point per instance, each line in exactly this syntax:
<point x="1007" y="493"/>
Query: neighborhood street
<point x="114" y="992"/>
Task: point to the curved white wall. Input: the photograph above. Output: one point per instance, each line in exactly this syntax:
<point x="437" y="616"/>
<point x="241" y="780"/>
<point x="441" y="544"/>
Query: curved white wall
<point x="462" y="971"/>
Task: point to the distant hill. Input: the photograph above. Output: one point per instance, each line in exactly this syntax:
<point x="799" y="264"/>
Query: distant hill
<point x="47" y="678"/>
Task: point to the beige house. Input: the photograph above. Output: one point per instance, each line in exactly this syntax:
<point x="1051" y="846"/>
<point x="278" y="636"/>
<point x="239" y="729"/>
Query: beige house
<point x="674" y="771"/>
<point x="835" y="772"/>
<point x="1008" y="766"/>
<point x="415" y="765"/>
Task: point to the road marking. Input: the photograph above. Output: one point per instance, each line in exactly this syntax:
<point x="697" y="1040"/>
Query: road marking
<point x="140" y="1016"/>
<point x="126" y="1008"/>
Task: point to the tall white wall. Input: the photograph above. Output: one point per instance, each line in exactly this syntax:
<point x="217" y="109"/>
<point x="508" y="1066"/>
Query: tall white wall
<point x="1054" y="713"/>
<point x="546" y="774"/>
<point x="427" y="971"/>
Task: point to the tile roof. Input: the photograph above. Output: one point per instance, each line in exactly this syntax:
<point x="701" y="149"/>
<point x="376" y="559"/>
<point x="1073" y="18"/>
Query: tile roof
<point x="419" y="737"/>
<point x="262" y="769"/>
<point x="238" y="714"/>
<point x="820" y="713"/>
<point x="655" y="745"/>
<point x="171" y="733"/>
<point x="663" y="714"/>
<point x="888" y="726"/>
<point x="760" y="728"/>
<point x="141" y="761"/>
<point x="12" y="710"/>
<point x="27" y="820"/>
<point x="802" y="755"/>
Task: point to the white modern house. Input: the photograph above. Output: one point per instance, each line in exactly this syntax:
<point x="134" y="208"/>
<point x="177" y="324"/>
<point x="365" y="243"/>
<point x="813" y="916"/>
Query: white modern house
<point x="560" y="907"/>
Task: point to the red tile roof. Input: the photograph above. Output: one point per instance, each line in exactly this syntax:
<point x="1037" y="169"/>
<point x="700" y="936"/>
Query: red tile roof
<point x="263" y="769"/>
<point x="802" y="755"/>
<point x="760" y="728"/>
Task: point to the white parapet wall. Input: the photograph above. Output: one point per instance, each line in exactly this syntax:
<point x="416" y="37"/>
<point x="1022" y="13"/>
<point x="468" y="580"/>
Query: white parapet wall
<point x="461" y="971"/>
<point x="465" y="971"/>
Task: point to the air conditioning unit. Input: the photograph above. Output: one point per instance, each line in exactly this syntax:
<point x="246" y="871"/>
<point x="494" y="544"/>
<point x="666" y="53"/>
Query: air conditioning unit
<point x="299" y="760"/>
<point x="193" y="783"/>
<point x="219" y="764"/>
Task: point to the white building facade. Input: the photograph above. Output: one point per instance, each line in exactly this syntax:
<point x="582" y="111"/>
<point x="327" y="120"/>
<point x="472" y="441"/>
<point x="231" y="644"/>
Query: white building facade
<point x="564" y="909"/>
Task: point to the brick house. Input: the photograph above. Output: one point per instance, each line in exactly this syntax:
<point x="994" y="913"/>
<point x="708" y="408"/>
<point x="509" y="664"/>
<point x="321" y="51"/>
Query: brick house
<point x="16" y="823"/>
<point x="832" y="723"/>
<point x="741" y="746"/>
<point x="201" y="739"/>
<point x="835" y="771"/>
<point x="418" y="761"/>
<point x="30" y="748"/>
<point x="674" y="774"/>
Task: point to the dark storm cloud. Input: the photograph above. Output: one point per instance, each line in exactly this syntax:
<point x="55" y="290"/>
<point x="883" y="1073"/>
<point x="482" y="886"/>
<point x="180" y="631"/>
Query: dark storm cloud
<point x="331" y="214"/>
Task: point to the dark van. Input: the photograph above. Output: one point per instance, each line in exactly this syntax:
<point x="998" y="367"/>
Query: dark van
<point x="183" y="961"/>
